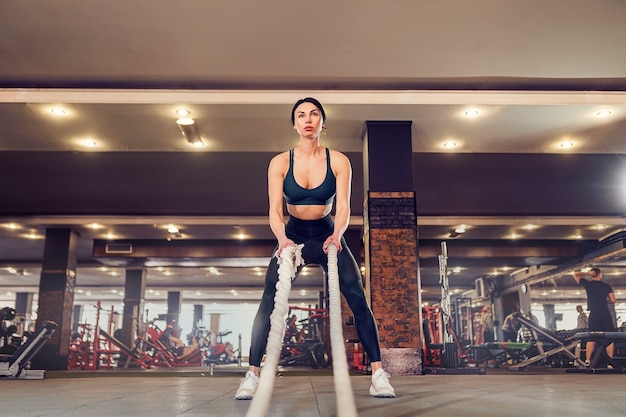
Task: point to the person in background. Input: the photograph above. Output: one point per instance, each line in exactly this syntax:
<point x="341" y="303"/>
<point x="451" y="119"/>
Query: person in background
<point x="511" y="327"/>
<point x="486" y="324"/>
<point x="599" y="295"/>
<point x="309" y="179"/>
<point x="583" y="321"/>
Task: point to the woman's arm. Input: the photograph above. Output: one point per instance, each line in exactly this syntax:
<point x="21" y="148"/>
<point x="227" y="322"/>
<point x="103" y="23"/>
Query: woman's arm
<point x="343" y="174"/>
<point x="275" y="177"/>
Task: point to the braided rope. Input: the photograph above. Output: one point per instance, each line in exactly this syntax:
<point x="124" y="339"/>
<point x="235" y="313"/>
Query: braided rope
<point x="343" y="388"/>
<point x="289" y="260"/>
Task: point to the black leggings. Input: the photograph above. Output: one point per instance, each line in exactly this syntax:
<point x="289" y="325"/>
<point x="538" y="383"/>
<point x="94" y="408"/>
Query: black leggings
<point x="313" y="233"/>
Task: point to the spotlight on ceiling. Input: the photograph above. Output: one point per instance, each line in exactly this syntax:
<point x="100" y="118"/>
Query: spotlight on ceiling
<point x="190" y="131"/>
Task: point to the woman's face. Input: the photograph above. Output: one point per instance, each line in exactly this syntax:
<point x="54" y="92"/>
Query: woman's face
<point x="308" y="120"/>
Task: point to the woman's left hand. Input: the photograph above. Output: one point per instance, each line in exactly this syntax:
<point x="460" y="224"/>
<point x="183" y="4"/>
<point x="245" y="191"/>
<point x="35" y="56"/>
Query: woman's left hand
<point x="335" y="241"/>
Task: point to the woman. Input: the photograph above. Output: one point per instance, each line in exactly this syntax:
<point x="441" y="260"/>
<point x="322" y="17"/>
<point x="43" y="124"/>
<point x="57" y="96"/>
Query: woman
<point x="309" y="178"/>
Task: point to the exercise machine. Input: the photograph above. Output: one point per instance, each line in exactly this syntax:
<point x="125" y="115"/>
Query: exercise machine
<point x="546" y="338"/>
<point x="601" y="340"/>
<point x="16" y="366"/>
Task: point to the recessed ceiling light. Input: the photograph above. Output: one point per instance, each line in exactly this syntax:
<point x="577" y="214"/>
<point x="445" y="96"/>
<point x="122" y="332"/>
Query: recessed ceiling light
<point x="90" y="143"/>
<point x="183" y="112"/>
<point x="471" y="113"/>
<point x="567" y="145"/>
<point x="578" y="236"/>
<point x="460" y="229"/>
<point x="172" y="229"/>
<point x="185" y="121"/>
<point x="58" y="111"/>
<point x="530" y="226"/>
<point x="95" y="226"/>
<point x="604" y="113"/>
<point x="600" y="226"/>
<point x="450" y="145"/>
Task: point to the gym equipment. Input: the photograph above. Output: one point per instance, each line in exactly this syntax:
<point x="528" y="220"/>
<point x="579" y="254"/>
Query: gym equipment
<point x="601" y="341"/>
<point x="304" y="345"/>
<point x="217" y="351"/>
<point x="556" y="344"/>
<point x="155" y="344"/>
<point x="16" y="366"/>
<point x="290" y="259"/>
<point x="90" y="349"/>
<point x="499" y="352"/>
<point x="142" y="359"/>
<point x="344" y="395"/>
<point x="442" y="344"/>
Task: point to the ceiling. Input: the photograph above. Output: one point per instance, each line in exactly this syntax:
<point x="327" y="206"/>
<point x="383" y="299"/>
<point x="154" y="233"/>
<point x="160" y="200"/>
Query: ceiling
<point x="121" y="70"/>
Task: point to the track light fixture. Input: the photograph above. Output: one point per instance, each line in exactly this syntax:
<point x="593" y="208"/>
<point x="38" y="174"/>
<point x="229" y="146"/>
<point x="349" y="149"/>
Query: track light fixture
<point x="190" y="131"/>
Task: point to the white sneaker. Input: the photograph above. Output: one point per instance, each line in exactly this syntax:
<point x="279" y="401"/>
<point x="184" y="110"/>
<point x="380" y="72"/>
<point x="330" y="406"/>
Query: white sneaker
<point x="381" y="387"/>
<point x="247" y="387"/>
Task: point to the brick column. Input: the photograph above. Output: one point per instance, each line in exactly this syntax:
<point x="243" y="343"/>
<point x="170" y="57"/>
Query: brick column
<point x="391" y="244"/>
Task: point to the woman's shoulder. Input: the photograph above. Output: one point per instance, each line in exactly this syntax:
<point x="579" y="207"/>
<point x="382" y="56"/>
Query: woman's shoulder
<point x="280" y="158"/>
<point x="339" y="157"/>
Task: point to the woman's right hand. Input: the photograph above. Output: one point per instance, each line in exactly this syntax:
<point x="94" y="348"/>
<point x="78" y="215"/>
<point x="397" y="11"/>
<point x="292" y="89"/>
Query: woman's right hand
<point x="282" y="244"/>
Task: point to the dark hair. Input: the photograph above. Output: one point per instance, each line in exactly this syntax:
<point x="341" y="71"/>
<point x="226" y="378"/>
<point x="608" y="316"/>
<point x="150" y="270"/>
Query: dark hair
<point x="596" y="270"/>
<point x="308" y="100"/>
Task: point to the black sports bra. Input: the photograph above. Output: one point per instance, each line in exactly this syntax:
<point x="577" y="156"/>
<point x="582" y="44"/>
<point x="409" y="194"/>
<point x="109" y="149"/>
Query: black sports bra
<point x="319" y="196"/>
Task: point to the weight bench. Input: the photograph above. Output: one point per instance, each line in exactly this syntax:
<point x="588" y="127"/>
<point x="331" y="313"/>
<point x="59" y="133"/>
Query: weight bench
<point x="557" y="344"/>
<point x="16" y="366"/>
<point x="499" y="352"/>
<point x="601" y="341"/>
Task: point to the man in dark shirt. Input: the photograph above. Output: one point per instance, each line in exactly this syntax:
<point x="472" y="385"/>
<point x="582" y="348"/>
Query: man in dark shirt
<point x="599" y="295"/>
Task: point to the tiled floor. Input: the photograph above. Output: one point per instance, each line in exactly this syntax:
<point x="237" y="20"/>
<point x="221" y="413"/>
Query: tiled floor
<point x="194" y="392"/>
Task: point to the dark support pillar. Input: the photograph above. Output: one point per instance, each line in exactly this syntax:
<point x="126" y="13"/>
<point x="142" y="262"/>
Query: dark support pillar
<point x="391" y="243"/>
<point x="77" y="316"/>
<point x="174" y="301"/>
<point x="56" y="296"/>
<point x="548" y="310"/>
<point x="198" y="314"/>
<point x="134" y="290"/>
<point x="23" y="311"/>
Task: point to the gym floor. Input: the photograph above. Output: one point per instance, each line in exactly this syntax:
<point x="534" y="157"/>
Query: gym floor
<point x="301" y="393"/>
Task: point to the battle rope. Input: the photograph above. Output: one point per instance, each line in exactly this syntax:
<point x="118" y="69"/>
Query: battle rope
<point x="343" y="388"/>
<point x="289" y="260"/>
